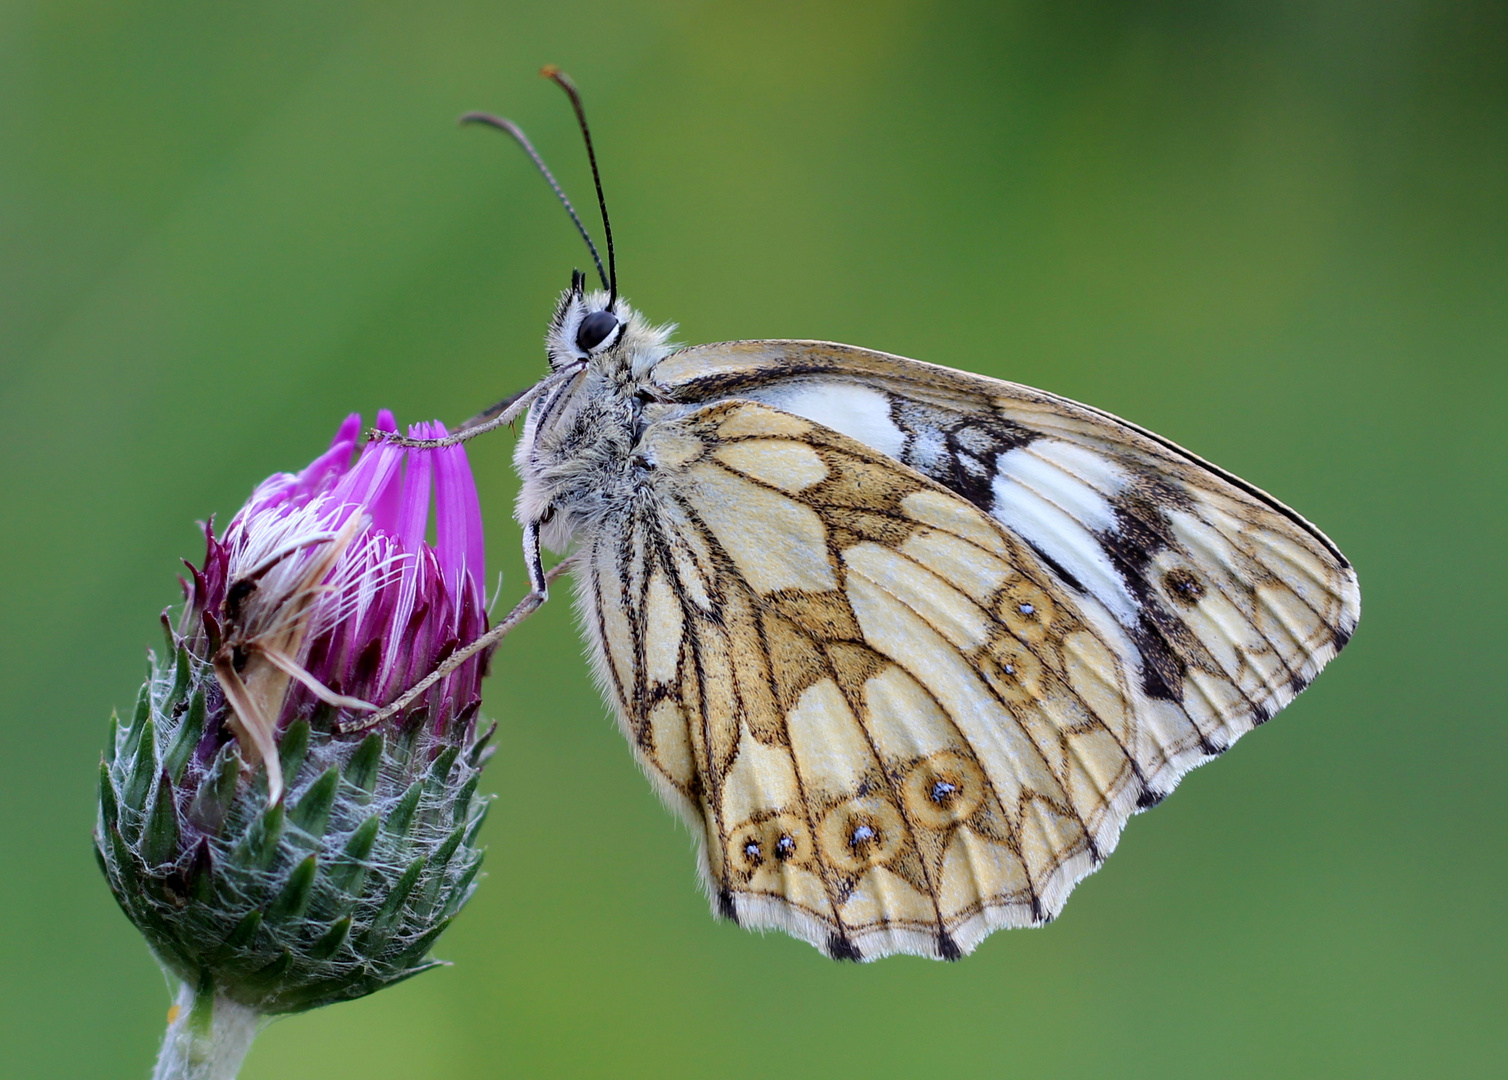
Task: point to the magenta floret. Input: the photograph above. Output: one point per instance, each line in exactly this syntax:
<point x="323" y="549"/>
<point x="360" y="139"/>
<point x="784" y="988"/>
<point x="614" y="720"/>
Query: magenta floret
<point x="394" y="605"/>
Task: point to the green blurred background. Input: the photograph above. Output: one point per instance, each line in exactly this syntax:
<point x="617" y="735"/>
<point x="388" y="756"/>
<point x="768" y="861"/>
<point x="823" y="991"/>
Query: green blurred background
<point x="1275" y="232"/>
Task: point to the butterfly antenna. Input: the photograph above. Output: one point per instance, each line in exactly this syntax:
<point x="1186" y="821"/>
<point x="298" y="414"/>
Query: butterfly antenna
<point x="562" y="80"/>
<point x="517" y="132"/>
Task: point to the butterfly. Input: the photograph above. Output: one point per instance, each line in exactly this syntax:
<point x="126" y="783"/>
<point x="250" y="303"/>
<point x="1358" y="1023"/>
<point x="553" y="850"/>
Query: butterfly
<point x="906" y="646"/>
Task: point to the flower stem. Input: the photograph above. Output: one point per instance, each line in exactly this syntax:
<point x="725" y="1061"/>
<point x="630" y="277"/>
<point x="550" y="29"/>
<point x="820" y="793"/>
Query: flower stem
<point x="207" y="1036"/>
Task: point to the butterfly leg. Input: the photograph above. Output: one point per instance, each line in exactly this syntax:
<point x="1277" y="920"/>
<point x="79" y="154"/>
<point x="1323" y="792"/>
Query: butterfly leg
<point x="492" y="412"/>
<point x="502" y="414"/>
<point x="509" y="412"/>
<point x="531" y="603"/>
<point x="539" y="583"/>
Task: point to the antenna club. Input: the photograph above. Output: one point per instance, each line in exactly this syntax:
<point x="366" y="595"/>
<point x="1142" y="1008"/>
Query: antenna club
<point x="549" y="71"/>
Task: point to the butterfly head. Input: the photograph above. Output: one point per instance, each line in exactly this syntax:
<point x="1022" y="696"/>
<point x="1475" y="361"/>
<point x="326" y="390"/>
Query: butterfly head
<point x="592" y="324"/>
<point x="585" y="325"/>
<point x="588" y="325"/>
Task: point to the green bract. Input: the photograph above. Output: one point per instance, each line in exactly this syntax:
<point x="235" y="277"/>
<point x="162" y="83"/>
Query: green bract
<point x="336" y="891"/>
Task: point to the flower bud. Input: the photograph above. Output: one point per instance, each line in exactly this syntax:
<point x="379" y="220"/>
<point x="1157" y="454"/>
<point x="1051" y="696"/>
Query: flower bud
<point x="273" y="857"/>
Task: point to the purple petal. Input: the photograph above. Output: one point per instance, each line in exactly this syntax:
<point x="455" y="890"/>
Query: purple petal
<point x="348" y="432"/>
<point x="413" y="518"/>
<point x="458" y="520"/>
<point x="404" y="593"/>
<point x="375" y="483"/>
<point x="386" y="504"/>
<point x="324" y="470"/>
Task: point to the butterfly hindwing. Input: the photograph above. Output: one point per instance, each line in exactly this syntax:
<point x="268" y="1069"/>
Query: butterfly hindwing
<point x="894" y="725"/>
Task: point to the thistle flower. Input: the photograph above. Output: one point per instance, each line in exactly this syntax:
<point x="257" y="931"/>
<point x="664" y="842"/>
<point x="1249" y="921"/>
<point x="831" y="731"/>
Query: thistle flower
<point x="278" y="850"/>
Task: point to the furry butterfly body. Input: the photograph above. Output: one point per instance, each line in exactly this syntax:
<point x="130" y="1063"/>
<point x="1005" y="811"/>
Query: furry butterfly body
<point x="905" y="646"/>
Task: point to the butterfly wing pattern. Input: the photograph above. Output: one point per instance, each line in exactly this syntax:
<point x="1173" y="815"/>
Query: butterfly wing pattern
<point x="907" y="646"/>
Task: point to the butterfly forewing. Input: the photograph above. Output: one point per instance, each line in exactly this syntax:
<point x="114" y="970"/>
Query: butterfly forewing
<point x="1230" y="602"/>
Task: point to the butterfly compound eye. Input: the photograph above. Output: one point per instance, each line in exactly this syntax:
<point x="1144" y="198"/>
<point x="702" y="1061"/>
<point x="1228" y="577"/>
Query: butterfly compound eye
<point x="595" y="329"/>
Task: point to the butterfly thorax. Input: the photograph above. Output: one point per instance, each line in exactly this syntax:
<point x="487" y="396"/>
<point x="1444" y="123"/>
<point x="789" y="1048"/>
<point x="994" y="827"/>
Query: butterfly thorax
<point x="580" y="453"/>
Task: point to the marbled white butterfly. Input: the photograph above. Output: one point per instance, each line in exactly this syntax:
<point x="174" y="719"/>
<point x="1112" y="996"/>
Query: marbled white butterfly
<point x="905" y="645"/>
